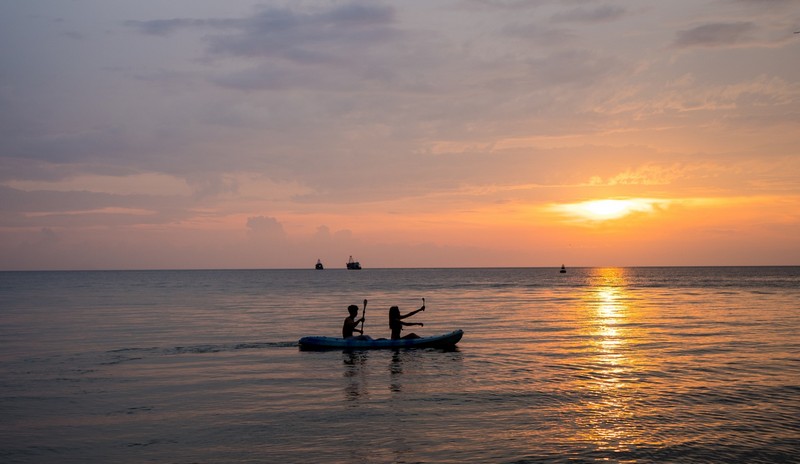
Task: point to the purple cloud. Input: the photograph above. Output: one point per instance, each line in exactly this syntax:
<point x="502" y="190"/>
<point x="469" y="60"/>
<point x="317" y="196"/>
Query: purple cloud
<point x="714" y="35"/>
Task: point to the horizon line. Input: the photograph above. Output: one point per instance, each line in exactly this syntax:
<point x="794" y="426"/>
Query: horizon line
<point x="167" y="269"/>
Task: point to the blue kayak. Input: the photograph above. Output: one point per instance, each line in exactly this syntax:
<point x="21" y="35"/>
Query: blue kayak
<point x="327" y="343"/>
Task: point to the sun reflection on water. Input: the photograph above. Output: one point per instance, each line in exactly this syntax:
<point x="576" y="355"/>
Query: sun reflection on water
<point x="610" y="385"/>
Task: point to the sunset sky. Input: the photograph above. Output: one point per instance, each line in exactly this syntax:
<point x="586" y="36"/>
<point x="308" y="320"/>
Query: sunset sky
<point x="255" y="134"/>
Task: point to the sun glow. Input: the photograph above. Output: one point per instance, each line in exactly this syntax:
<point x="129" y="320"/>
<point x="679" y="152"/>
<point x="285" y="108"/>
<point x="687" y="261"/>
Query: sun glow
<point x="607" y="209"/>
<point x="603" y="210"/>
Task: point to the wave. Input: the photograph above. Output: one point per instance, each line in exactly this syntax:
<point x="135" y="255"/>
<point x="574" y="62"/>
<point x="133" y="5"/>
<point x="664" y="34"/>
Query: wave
<point x="128" y="354"/>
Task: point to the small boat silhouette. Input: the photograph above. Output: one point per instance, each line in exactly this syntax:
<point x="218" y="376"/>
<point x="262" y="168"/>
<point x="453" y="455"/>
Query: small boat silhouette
<point x="355" y="265"/>
<point x="563" y="269"/>
<point x="319" y="266"/>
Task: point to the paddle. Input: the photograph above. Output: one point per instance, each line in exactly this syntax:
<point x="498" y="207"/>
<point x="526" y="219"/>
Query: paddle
<point x="363" y="316"/>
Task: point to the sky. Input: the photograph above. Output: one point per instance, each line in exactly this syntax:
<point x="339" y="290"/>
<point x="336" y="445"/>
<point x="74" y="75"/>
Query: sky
<point x="458" y="133"/>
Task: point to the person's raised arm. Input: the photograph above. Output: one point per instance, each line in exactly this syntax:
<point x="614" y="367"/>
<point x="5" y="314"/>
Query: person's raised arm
<point x="413" y="312"/>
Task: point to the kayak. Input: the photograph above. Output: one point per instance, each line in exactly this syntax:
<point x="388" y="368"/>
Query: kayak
<point x="436" y="341"/>
<point x="327" y="343"/>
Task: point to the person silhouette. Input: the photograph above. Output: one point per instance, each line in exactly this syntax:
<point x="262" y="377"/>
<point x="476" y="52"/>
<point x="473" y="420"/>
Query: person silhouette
<point x="396" y="323"/>
<point x="350" y="323"/>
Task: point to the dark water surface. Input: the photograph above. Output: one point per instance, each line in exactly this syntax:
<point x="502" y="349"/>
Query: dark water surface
<point x="611" y="365"/>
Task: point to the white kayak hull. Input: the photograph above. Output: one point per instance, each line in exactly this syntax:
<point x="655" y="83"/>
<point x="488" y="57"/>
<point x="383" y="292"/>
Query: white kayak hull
<point x="327" y="343"/>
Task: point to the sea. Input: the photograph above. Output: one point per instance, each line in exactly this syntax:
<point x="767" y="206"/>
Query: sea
<point x="620" y="365"/>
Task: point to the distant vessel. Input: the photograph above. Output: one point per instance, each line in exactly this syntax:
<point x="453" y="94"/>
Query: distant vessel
<point x="353" y="264"/>
<point x="563" y="269"/>
<point x="319" y="266"/>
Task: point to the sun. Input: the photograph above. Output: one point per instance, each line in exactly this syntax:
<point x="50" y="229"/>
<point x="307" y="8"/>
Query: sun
<point x="607" y="209"/>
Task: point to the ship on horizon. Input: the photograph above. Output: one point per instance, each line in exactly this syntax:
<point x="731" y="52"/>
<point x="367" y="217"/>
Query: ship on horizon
<point x="353" y="265"/>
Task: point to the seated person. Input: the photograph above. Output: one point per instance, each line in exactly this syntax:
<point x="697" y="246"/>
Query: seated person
<point x="350" y="323"/>
<point x="396" y="323"/>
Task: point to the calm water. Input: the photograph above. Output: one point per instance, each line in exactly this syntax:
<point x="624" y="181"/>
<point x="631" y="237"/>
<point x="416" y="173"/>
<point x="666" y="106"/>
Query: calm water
<point x="619" y="365"/>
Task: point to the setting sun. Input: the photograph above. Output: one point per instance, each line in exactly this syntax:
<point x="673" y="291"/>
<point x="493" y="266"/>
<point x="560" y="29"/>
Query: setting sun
<point x="602" y="210"/>
<point x="608" y="209"/>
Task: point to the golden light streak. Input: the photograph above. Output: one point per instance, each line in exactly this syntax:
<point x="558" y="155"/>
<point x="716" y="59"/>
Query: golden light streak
<point x="613" y="380"/>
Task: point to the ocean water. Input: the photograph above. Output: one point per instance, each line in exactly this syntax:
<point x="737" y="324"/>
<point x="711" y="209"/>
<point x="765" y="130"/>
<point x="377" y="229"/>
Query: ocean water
<point x="595" y="365"/>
